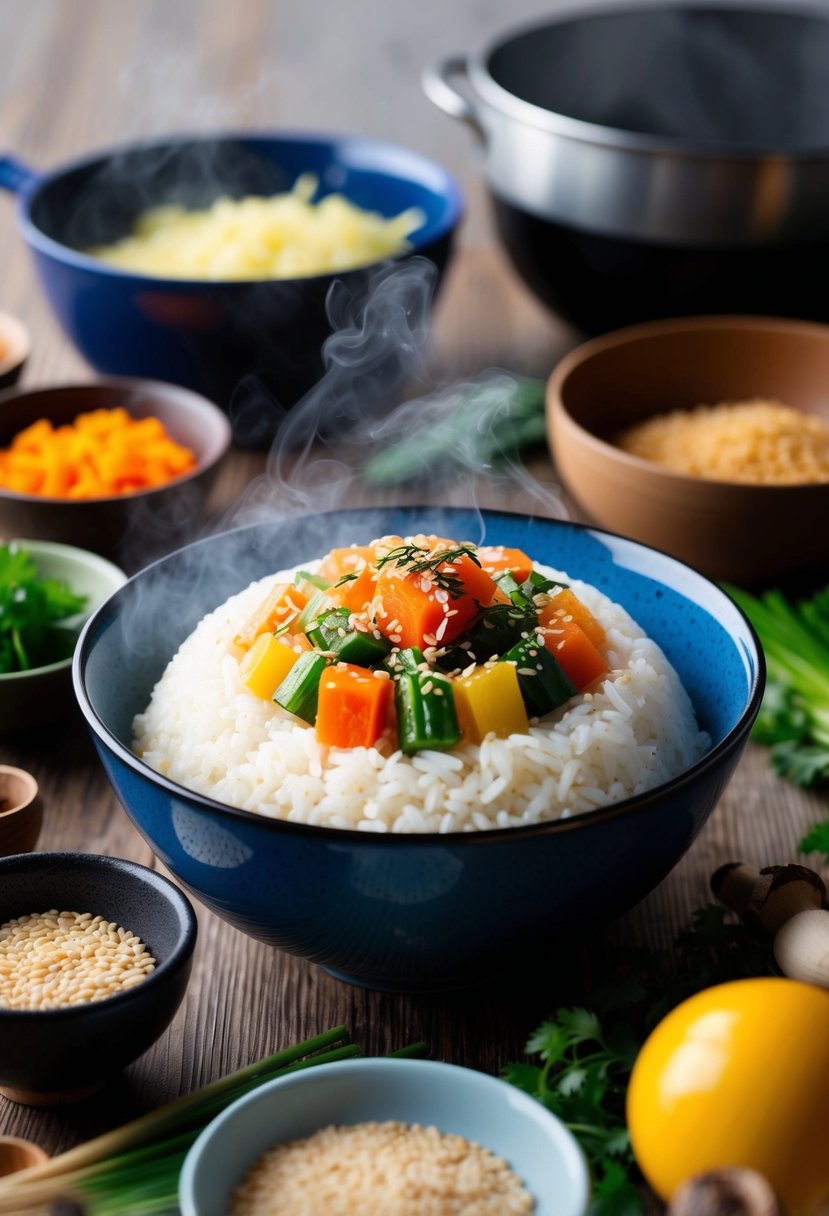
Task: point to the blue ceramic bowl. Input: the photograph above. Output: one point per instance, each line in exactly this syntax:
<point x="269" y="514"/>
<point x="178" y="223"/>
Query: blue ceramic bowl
<point x="211" y="336"/>
<point x="419" y="911"/>
<point x="458" y="1101"/>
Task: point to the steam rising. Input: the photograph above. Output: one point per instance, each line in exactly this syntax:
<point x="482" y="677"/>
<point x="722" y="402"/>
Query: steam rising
<point x="317" y="462"/>
<point x="376" y="353"/>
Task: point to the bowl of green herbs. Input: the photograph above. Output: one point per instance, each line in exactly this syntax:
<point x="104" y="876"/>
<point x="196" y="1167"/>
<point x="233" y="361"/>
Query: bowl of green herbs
<point x="47" y="592"/>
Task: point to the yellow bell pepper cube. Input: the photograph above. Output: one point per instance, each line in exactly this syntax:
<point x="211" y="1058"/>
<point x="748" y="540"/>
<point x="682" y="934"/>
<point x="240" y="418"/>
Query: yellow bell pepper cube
<point x="489" y="700"/>
<point x="266" y="665"/>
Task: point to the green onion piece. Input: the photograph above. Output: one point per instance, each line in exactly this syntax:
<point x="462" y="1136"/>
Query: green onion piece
<point x="299" y="691"/>
<point x="543" y="684"/>
<point x="500" y="627"/>
<point x="325" y="630"/>
<point x="310" y="612"/>
<point x="305" y="576"/>
<point x="425" y="705"/>
<point x="331" y="634"/>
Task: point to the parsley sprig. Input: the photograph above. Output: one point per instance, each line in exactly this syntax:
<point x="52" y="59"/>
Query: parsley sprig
<point x="585" y="1056"/>
<point x="417" y="559"/>
<point x="34" y="613"/>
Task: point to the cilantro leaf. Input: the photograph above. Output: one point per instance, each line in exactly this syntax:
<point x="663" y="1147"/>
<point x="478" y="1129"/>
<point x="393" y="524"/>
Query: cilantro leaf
<point x="816" y="839"/>
<point x="587" y="1054"/>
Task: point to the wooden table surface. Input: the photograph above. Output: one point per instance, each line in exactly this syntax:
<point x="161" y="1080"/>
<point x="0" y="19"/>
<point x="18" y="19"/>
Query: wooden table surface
<point x="94" y="72"/>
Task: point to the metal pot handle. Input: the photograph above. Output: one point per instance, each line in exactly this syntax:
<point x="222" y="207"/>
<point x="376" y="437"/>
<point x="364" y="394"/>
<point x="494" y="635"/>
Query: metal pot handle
<point x="14" y="175"/>
<point x="437" y="87"/>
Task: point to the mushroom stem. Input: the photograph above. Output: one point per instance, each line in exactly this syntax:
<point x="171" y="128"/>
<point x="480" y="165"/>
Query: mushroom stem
<point x="787" y="903"/>
<point x="732" y="1192"/>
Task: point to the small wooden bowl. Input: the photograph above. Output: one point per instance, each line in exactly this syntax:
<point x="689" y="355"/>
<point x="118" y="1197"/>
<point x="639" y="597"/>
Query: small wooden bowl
<point x="21" y="811"/>
<point x="745" y="533"/>
<point x="15" y="345"/>
<point x="18" y="1154"/>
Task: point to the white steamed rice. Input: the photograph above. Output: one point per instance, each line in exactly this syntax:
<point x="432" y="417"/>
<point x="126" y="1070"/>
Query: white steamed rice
<point x="203" y="730"/>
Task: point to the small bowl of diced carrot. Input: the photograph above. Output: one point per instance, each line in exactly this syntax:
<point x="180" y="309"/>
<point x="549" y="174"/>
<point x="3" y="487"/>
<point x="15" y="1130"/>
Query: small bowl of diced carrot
<point x="119" y="466"/>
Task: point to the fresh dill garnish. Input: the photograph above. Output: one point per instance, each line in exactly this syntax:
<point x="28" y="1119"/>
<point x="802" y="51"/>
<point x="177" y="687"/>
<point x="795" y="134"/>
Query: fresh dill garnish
<point x="346" y="578"/>
<point x="417" y="559"/>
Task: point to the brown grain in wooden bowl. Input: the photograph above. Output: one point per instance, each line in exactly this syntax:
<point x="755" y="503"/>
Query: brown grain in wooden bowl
<point x="743" y="532"/>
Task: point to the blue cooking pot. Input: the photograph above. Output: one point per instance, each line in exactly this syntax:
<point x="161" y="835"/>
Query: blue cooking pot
<point x="216" y="337"/>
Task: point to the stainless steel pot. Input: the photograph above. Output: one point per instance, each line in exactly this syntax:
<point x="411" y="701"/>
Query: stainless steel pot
<point x="655" y="132"/>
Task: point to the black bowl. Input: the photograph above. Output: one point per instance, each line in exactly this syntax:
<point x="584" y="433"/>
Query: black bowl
<point x="660" y="160"/>
<point x="52" y="1056"/>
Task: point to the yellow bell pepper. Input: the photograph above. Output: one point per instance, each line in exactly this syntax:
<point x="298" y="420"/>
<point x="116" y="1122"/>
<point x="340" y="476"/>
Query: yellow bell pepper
<point x="266" y="665"/>
<point x="489" y="701"/>
<point x="737" y="1076"/>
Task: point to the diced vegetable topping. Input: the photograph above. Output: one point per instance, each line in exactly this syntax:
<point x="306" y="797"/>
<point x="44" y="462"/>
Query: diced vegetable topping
<point x="495" y="558"/>
<point x="563" y="605"/>
<point x="299" y="691"/>
<point x="575" y="653"/>
<point x="489" y="701"/>
<point x="423" y="639"/>
<point x="281" y="606"/>
<point x="544" y="686"/>
<point x="266" y="665"/>
<point x="353" y="708"/>
<point x="425" y="705"/>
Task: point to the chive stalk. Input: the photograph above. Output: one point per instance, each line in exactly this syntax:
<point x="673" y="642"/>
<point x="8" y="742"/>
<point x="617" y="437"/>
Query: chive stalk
<point x="109" y="1173"/>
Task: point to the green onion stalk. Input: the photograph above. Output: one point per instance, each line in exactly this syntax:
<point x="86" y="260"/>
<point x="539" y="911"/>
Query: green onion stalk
<point x="134" y="1170"/>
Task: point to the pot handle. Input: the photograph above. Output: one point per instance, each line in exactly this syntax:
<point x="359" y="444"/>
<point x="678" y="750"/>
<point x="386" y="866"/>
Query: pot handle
<point x="438" y="88"/>
<point x="14" y="175"/>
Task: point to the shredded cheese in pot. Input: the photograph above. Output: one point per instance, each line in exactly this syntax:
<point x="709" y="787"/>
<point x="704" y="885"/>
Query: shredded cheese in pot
<point x="282" y="237"/>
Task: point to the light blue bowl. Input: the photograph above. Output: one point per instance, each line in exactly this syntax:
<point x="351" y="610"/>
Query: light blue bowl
<point x="533" y="1142"/>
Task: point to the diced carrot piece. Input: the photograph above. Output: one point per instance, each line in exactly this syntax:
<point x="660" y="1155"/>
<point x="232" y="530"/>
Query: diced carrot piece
<point x="283" y="602"/>
<point x="417" y="613"/>
<point x="354" y="706"/>
<point x="266" y="665"/>
<point x="345" y="561"/>
<point x="360" y="591"/>
<point x="565" y="604"/>
<point x="497" y="558"/>
<point x="577" y="656"/>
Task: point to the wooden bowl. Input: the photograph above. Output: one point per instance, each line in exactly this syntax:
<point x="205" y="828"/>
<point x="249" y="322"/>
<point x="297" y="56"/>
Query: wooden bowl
<point x="17" y="1154"/>
<point x="131" y="528"/>
<point x="21" y="811"/>
<point x="15" y="344"/>
<point x="746" y="533"/>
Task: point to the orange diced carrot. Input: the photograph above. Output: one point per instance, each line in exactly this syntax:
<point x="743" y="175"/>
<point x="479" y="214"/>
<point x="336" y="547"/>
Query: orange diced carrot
<point x="280" y="606"/>
<point x="360" y="591"/>
<point x="497" y="558"/>
<point x="576" y="655"/>
<point x="345" y="561"/>
<point x="417" y="612"/>
<point x="354" y="706"/>
<point x="565" y="604"/>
